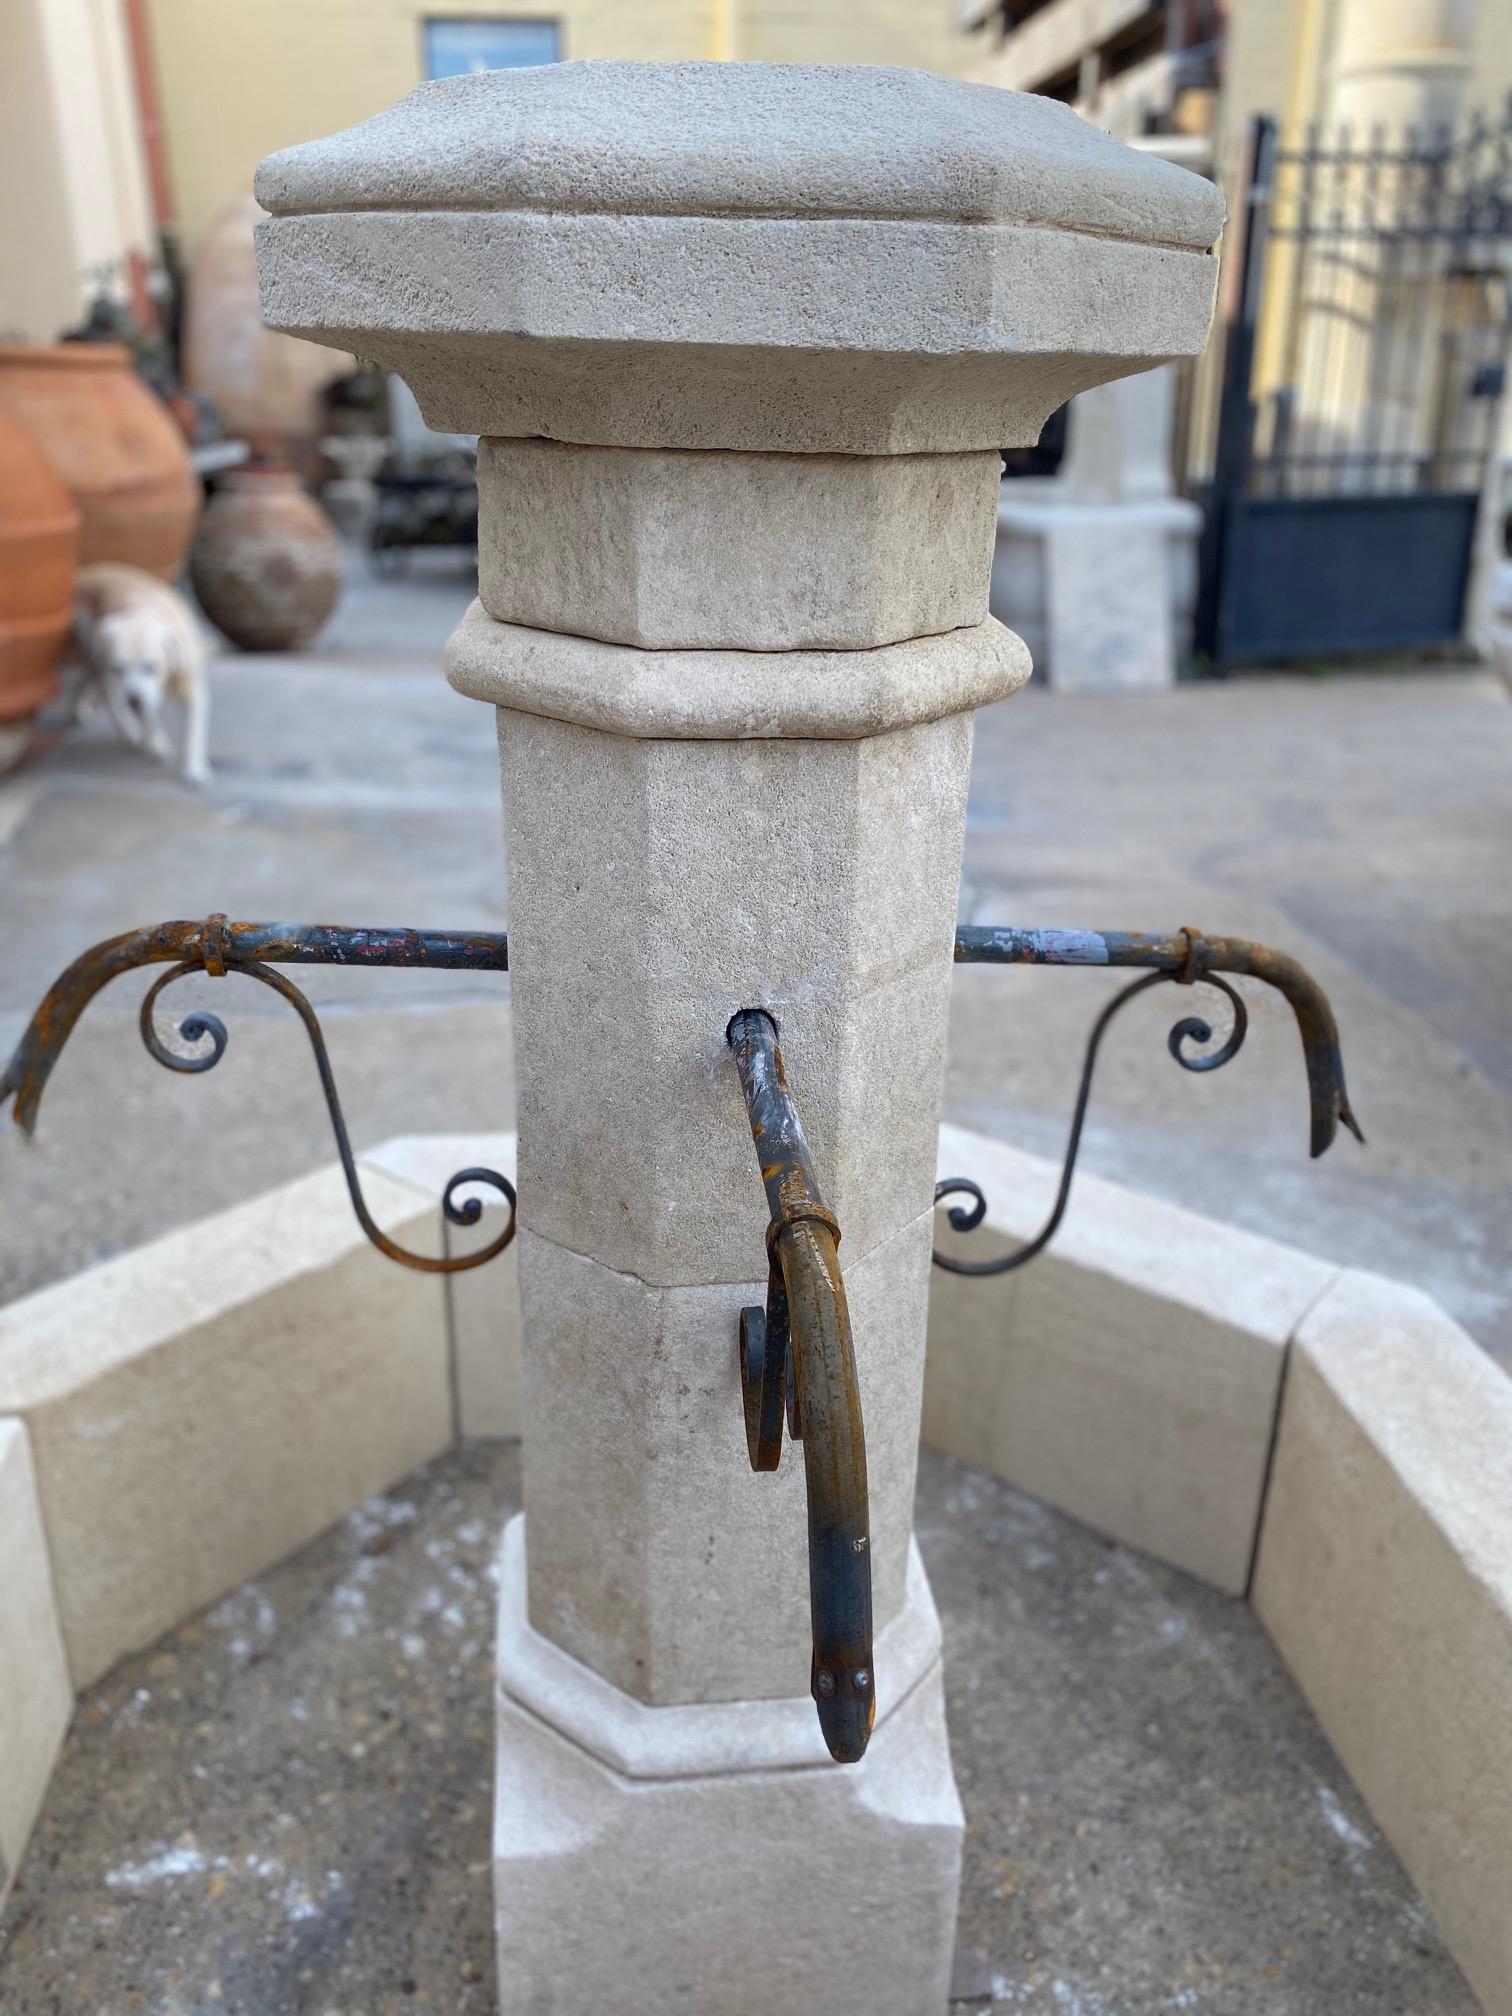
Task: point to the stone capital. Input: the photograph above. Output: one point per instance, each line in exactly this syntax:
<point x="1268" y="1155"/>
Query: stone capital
<point x="748" y="256"/>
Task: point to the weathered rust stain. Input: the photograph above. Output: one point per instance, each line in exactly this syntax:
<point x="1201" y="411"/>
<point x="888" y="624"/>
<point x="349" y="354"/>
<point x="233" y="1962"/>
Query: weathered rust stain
<point x="215" y="947"/>
<point x="1185" y="958"/>
<point x="798" y="1364"/>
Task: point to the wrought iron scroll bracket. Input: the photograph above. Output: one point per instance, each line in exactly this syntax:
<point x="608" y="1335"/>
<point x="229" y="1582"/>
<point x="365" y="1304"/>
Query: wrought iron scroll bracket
<point x="217" y="948"/>
<point x="1185" y="959"/>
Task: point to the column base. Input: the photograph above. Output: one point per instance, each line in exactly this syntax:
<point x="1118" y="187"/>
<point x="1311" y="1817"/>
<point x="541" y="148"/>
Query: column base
<point x="711" y="1857"/>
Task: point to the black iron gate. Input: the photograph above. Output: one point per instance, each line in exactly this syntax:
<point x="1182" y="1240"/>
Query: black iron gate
<point x="1345" y="494"/>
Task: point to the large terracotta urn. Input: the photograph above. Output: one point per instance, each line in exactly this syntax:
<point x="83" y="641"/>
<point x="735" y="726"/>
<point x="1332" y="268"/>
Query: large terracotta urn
<point x="267" y="563"/>
<point x="266" y="386"/>
<point x="114" y="444"/>
<point x="39" y="551"/>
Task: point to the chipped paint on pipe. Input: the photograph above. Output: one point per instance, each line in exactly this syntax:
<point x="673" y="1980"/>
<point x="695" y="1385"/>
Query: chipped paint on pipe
<point x="1187" y="956"/>
<point x="215" y="946"/>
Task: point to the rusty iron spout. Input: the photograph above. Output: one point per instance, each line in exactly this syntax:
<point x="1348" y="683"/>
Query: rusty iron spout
<point x="797" y="1359"/>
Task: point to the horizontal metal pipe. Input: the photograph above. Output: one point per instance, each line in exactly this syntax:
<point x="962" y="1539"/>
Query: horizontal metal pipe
<point x="1187" y="955"/>
<point x="215" y="945"/>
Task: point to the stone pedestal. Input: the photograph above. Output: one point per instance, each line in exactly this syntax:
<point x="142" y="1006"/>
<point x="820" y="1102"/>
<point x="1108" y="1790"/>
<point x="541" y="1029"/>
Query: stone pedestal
<point x="1096" y="567"/>
<point x="741" y="343"/>
<point x="351" y="495"/>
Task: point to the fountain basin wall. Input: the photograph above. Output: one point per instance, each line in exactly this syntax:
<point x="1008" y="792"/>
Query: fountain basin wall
<point x="1324" y="1442"/>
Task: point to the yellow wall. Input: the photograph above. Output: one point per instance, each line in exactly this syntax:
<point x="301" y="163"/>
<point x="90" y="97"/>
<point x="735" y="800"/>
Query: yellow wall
<point x="241" y="77"/>
<point x="1277" y="59"/>
<point x="919" y="34"/>
<point x="73" y="190"/>
<point x="1278" y="54"/>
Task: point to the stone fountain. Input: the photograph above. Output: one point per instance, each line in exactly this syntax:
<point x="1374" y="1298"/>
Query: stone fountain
<point x="741" y="344"/>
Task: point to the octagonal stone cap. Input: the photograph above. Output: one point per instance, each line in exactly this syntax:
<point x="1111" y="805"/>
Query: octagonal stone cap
<point x="744" y="140"/>
<point x="755" y="256"/>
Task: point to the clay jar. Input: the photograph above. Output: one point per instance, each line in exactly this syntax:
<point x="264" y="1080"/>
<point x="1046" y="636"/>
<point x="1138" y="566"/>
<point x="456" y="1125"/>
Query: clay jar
<point x="39" y="550"/>
<point x="266" y="387"/>
<point x="266" y="565"/>
<point x="114" y="444"/>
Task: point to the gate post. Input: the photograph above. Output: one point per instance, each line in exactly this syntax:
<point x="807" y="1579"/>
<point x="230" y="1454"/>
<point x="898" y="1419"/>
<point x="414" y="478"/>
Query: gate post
<point x="742" y="342"/>
<point x="1233" y="450"/>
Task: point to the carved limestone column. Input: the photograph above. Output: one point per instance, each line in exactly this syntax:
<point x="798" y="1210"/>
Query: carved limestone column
<point x="742" y="342"/>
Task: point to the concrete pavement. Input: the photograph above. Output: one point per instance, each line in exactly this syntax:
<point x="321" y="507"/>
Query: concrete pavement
<point x="283" y="1808"/>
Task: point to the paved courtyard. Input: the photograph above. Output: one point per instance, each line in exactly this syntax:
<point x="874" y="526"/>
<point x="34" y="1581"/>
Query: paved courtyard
<point x="274" y="1811"/>
<point x="1362" y="822"/>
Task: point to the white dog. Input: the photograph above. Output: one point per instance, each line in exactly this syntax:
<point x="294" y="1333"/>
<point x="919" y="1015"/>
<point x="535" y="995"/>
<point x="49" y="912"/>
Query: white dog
<point x="141" y="648"/>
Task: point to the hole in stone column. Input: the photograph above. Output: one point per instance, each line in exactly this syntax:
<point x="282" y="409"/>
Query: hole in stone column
<point x="730" y="1025"/>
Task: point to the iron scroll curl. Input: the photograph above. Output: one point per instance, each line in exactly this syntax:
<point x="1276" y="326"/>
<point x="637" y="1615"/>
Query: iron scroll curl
<point x="1186" y="959"/>
<point x="200" y="1025"/>
<point x="217" y="948"/>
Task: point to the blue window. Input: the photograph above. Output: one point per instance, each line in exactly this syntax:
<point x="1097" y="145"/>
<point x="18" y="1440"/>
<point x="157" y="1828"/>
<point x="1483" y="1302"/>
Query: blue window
<point x="460" y="48"/>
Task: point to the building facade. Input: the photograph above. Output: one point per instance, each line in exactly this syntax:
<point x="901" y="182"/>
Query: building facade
<point x="76" y="206"/>
<point x="119" y="118"/>
<point x="238" y="80"/>
<point x="1199" y="70"/>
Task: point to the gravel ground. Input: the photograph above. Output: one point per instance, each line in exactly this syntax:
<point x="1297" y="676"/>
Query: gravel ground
<point x="283" y="1808"/>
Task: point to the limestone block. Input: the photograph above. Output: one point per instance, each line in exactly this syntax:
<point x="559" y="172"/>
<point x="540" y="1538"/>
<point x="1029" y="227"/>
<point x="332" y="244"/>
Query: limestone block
<point x="1016" y="595"/>
<point x="751" y="330"/>
<point x="202" y="1406"/>
<point x="1103" y="594"/>
<point x="663" y="549"/>
<point x="770" y="257"/>
<point x="483" y="1303"/>
<point x="692" y="1739"/>
<point x="714" y="1874"/>
<point x="817" y="880"/>
<point x="1385" y="1578"/>
<point x="36" y="1699"/>
<point x="1109" y="602"/>
<point x="733" y="696"/>
<point x="658" y="1557"/>
<point x="1130" y="1375"/>
<point x="1118" y="445"/>
<point x="751" y="139"/>
<point x="799" y="1893"/>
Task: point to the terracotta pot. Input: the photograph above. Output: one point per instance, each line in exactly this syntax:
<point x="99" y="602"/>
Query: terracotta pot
<point x="266" y="386"/>
<point x="266" y="565"/>
<point x="39" y="550"/>
<point x="113" y="443"/>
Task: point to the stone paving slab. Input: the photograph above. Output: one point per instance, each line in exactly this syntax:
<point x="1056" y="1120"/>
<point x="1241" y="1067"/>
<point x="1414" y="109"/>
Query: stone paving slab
<point x="282" y="1809"/>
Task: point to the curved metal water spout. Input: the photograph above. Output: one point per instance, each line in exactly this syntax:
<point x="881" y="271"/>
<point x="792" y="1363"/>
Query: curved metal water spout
<point x="796" y="1359"/>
